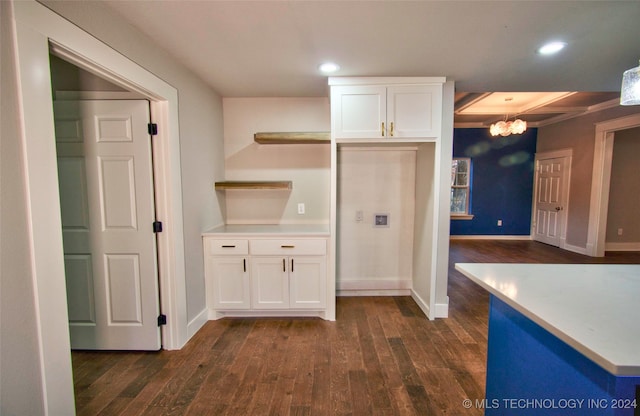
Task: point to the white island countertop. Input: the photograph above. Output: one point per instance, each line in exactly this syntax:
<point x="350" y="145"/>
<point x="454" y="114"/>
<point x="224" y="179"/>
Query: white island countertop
<point x="595" y="308"/>
<point x="320" y="230"/>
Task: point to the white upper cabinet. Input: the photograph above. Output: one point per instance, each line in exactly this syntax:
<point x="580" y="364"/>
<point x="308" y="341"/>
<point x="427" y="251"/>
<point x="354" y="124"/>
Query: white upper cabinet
<point x="414" y="111"/>
<point x="386" y="111"/>
<point x="359" y="111"/>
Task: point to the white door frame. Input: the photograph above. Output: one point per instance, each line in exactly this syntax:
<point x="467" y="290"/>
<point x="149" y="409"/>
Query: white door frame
<point x="35" y="27"/>
<point x="567" y="155"/>
<point x="600" y="181"/>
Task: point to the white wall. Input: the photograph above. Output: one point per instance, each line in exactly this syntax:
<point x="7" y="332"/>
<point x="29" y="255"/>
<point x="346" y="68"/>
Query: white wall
<point x="306" y="165"/>
<point x="201" y="138"/>
<point x="426" y="199"/>
<point x="20" y="358"/>
<point x="374" y="180"/>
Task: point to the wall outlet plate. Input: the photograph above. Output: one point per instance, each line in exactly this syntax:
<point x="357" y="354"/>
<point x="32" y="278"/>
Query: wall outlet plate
<point x="381" y="220"/>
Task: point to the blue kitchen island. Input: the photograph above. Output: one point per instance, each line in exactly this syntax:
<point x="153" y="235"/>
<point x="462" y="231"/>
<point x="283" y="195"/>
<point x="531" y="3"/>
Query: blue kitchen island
<point x="563" y="339"/>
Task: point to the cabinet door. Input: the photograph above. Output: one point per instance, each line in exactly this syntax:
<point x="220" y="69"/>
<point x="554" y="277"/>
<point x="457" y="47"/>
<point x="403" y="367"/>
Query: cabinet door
<point x="270" y="283"/>
<point x="414" y="111"/>
<point x="229" y="288"/>
<point x="359" y="112"/>
<point x="308" y="282"/>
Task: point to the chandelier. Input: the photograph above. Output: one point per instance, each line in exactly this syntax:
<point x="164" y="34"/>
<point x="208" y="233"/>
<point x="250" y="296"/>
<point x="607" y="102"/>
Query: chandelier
<point x="505" y="128"/>
<point x="630" y="91"/>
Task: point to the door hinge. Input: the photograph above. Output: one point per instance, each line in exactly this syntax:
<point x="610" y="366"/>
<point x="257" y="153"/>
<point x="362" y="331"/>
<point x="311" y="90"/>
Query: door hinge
<point x="157" y="227"/>
<point x="162" y="320"/>
<point x="153" y="129"/>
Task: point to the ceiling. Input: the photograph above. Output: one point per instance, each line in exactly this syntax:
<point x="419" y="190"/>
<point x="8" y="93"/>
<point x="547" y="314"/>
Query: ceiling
<point x="538" y="109"/>
<point x="273" y="48"/>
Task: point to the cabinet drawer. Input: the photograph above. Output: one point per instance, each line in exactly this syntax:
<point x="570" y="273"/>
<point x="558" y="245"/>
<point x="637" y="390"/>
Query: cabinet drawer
<point x="289" y="247"/>
<point x="224" y="247"/>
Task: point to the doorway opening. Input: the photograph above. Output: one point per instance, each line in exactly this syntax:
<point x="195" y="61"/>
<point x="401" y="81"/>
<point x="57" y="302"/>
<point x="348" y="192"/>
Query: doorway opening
<point x="36" y="31"/>
<point x="601" y="180"/>
<point x="107" y="202"/>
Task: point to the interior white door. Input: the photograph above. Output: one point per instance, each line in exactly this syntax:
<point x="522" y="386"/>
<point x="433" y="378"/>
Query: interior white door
<point x="107" y="203"/>
<point x="550" y="217"/>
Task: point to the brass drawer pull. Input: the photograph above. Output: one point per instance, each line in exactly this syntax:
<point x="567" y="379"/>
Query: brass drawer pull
<point x="285" y="246"/>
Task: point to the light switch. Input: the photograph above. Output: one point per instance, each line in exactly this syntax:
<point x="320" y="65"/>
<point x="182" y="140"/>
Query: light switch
<point x="301" y="208"/>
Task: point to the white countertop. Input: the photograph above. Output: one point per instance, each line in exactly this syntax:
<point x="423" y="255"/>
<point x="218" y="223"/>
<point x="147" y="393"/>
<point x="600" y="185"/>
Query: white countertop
<point x="595" y="308"/>
<point x="321" y="230"/>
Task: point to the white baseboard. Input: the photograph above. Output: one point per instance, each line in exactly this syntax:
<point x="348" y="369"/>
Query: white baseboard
<point x="490" y="237"/>
<point x="373" y="292"/>
<point x="424" y="306"/>
<point x="197" y="323"/>
<point x="576" y="249"/>
<point x="214" y="315"/>
<point x="389" y="283"/>
<point x="390" y="286"/>
<point x="622" y="246"/>
<point x="441" y="309"/>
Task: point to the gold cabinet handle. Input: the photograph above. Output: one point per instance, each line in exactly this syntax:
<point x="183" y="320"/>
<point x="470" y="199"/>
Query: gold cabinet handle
<point x="391" y="134"/>
<point x="286" y="246"/>
<point x="382" y="129"/>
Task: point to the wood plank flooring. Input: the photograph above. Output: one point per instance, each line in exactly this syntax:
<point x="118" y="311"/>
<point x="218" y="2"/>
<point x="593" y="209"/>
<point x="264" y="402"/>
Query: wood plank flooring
<point x="380" y="357"/>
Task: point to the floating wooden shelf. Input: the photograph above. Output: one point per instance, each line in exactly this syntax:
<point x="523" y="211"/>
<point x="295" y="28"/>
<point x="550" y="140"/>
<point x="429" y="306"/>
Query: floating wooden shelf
<point x="293" y="138"/>
<point x="221" y="186"/>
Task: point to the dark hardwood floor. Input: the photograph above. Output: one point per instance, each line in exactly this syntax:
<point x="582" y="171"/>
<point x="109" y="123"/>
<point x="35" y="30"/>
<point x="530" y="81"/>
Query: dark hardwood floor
<point x="380" y="357"/>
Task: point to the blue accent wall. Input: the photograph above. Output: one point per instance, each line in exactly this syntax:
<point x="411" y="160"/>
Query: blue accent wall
<point x="501" y="181"/>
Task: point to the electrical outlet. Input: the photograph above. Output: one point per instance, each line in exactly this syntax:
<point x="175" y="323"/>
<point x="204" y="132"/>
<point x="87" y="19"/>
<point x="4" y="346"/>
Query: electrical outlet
<point x="499" y="223"/>
<point x="359" y="216"/>
<point x="301" y="208"/>
<point x="620" y="231"/>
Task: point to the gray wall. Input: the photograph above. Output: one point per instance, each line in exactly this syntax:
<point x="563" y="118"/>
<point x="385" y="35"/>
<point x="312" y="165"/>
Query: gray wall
<point x="624" y="194"/>
<point x="579" y="134"/>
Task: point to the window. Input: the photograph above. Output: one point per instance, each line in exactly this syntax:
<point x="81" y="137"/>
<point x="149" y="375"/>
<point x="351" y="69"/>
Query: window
<point x="460" y="187"/>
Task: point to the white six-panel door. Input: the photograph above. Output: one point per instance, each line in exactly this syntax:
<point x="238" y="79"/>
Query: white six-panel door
<point x="107" y="204"/>
<point x="549" y="222"/>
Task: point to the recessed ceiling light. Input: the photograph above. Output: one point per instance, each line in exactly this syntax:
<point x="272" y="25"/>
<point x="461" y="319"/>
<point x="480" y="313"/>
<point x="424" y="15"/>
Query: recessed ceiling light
<point x="328" y="67"/>
<point x="551" y="48"/>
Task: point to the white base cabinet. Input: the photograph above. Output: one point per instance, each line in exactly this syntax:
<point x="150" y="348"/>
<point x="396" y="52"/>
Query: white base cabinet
<point x="226" y="268"/>
<point x="230" y="288"/>
<point x="269" y="283"/>
<point x="307" y="283"/>
<point x="266" y="276"/>
<point x="288" y="282"/>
